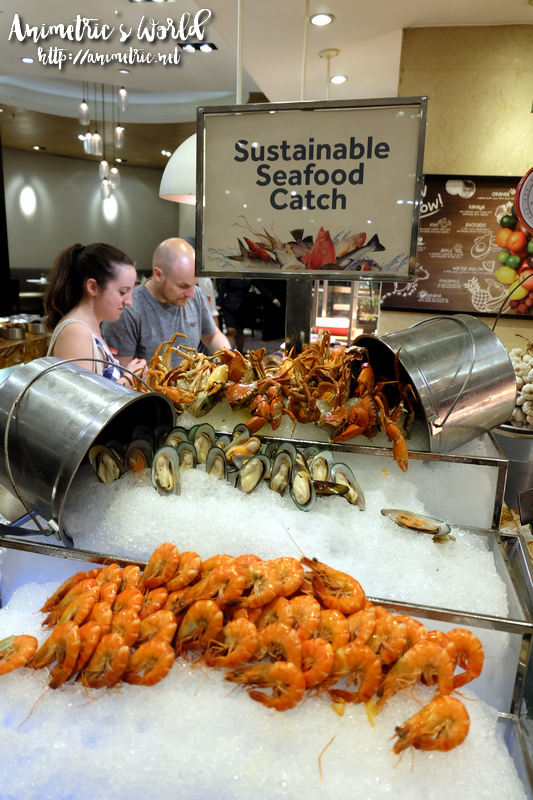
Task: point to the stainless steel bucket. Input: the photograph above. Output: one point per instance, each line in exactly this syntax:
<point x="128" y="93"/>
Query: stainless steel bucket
<point x="460" y="371"/>
<point x="57" y="420"/>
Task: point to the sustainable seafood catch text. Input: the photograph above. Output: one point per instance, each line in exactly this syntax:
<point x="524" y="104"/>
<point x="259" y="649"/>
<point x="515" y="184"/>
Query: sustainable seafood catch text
<point x="309" y="175"/>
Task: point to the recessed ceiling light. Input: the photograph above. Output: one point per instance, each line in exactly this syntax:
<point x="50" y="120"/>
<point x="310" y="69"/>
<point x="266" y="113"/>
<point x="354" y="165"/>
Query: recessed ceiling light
<point x="118" y="160"/>
<point x="206" y="48"/>
<point x="27" y="60"/>
<point x="189" y="48"/>
<point x="124" y="71"/>
<point x="338" y="79"/>
<point x="322" y="19"/>
<point x="38" y="147"/>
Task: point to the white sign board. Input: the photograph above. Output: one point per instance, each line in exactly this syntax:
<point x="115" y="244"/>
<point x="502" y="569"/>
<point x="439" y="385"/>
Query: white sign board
<point x="314" y="190"/>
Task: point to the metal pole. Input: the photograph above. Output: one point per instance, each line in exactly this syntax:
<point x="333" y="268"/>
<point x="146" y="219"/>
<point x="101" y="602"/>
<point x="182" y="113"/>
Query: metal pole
<point x="238" y="90"/>
<point x="304" y="54"/>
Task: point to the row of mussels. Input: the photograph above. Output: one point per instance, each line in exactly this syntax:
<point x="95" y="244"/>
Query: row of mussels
<point x="238" y="456"/>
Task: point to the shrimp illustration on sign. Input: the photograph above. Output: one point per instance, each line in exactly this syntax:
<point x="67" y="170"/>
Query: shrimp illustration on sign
<point x="489" y="300"/>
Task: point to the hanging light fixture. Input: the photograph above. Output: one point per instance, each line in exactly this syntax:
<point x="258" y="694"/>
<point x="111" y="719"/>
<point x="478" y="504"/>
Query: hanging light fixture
<point x="83" y="112"/>
<point x="88" y="143"/>
<point x="118" y="133"/>
<point x="104" y="166"/>
<point x="96" y="141"/>
<point x="122" y="99"/>
<point x="328" y="54"/>
<point x="114" y="174"/>
<point x="105" y="189"/>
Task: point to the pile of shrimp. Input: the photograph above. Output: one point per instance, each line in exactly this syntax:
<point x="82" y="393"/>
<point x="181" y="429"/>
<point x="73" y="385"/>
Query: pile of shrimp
<point x="284" y="629"/>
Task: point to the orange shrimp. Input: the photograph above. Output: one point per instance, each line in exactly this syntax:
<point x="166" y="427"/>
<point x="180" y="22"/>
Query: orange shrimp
<point x="102" y="614"/>
<point x="469" y="655"/>
<point x="306" y="611"/>
<point x="246" y="560"/>
<point x="63" y="646"/>
<point x="160" y="624"/>
<point x="175" y="602"/>
<point x="333" y="627"/>
<point x="361" y="667"/>
<point x="317" y="661"/>
<point x="62" y="590"/>
<point x="389" y="638"/>
<point x="425" y="659"/>
<point x="112" y="573"/>
<point x="362" y="625"/>
<point x="416" y="632"/>
<point x="188" y="570"/>
<point x="443" y="641"/>
<point x="16" y="651"/>
<point x="90" y="634"/>
<point x="107" y="664"/>
<point x="291" y="574"/>
<point x="150" y="663"/>
<point x="251" y="614"/>
<point x="278" y="610"/>
<point x="68" y="598"/>
<point x="131" y="577"/>
<point x="153" y="601"/>
<point x="236" y="646"/>
<point x="202" y="622"/>
<point x="81" y="607"/>
<point x="127" y="624"/>
<point x="336" y="589"/>
<point x="281" y="643"/>
<point x="263" y="580"/>
<point x="285" y="680"/>
<point x="108" y="592"/>
<point x="129" y="598"/>
<point x="161" y="566"/>
<point x="441" y="725"/>
<point x="215" y="561"/>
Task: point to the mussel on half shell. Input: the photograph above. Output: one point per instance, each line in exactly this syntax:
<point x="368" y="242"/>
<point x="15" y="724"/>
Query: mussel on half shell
<point x="216" y="463"/>
<point x="186" y="455"/>
<point x="302" y="489"/>
<point x="320" y="466"/>
<point x="203" y="439"/>
<point x="341" y="473"/>
<point x="329" y="488"/>
<point x="252" y="473"/>
<point x="281" y="472"/>
<point x="417" y="522"/>
<point x="139" y="454"/>
<point x="166" y="471"/>
<point x="244" y="448"/>
<point x="177" y="435"/>
<point x="106" y="462"/>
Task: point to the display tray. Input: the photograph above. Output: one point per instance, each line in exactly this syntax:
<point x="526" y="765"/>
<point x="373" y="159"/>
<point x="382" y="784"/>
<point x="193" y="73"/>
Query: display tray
<point x="511" y="430"/>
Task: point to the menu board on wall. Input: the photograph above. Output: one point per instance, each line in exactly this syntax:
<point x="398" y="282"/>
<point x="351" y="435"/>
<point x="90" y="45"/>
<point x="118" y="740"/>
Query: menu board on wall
<point x="456" y="250"/>
<point x="323" y="190"/>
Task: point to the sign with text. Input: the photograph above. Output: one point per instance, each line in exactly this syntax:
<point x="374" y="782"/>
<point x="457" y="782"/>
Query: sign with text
<point x="311" y="190"/>
<point x="457" y="269"/>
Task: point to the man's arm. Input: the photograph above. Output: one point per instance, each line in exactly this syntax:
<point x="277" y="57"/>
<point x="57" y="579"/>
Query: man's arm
<point x="215" y="341"/>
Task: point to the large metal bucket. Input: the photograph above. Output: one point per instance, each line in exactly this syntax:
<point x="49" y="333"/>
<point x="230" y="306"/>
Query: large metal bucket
<point x="55" y="423"/>
<point x="460" y="371"/>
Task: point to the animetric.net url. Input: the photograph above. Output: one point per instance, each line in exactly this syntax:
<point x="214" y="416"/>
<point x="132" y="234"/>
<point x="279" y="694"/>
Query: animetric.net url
<point x="57" y="56"/>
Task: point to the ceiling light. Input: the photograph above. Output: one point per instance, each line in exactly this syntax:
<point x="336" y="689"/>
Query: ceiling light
<point x="83" y="113"/>
<point x="206" y="48"/>
<point x="124" y="71"/>
<point x="118" y="160"/>
<point x="27" y="60"/>
<point x="122" y="99"/>
<point x="114" y="177"/>
<point x="105" y="189"/>
<point x="338" y="79"/>
<point x="322" y="19"/>
<point x="37" y="147"/>
<point x="179" y="178"/>
<point x="103" y="170"/>
<point x="119" y="137"/>
<point x="81" y="136"/>
<point x="189" y="48"/>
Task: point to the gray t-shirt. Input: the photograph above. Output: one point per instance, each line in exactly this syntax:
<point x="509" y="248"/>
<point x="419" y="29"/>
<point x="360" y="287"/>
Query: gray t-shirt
<point x="147" y="322"/>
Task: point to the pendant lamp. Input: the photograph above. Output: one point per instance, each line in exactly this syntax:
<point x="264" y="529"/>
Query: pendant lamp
<point x="179" y="178"/>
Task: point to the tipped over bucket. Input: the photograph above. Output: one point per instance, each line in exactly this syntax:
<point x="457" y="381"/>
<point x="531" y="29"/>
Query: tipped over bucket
<point x="460" y="372"/>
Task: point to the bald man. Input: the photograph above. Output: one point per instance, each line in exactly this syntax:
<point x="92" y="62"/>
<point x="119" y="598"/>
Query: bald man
<point x="167" y="302"/>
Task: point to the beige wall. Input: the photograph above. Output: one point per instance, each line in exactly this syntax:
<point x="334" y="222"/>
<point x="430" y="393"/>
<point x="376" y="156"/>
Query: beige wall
<point x="479" y="81"/>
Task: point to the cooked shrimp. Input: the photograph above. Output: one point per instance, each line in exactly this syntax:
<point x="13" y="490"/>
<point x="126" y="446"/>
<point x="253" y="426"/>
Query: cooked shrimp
<point x="416" y="632"/>
<point x="108" y="592"/>
<point x="68" y="598"/>
<point x="102" y="614"/>
<point x="333" y="627"/>
<point x="80" y="608"/>
<point x="161" y="567"/>
<point x="153" y="601"/>
<point x="236" y="646"/>
<point x="15" y="652"/>
<point x="129" y="598"/>
<point x="215" y="561"/>
<point x="317" y="661"/>
<point x="281" y="643"/>
<point x="285" y="680"/>
<point x="127" y="624"/>
<point x="175" y="603"/>
<point x="469" y="655"/>
<point x="362" y="625"/>
<point x="441" y="725"/>
<point x="389" y="638"/>
<point x="278" y="610"/>
<point x="263" y="580"/>
<point x="251" y="614"/>
<point x="160" y="624"/>
<point x="202" y="622"/>
<point x="131" y="577"/>
<point x="90" y="634"/>
<point x="246" y="560"/>
<point x="443" y="641"/>
<point x="150" y="663"/>
<point x="361" y="667"/>
<point x="60" y="592"/>
<point x="335" y="589"/>
<point x="111" y="573"/>
<point x="63" y="646"/>
<point x="291" y="574"/>
<point x="188" y="570"/>
<point x="306" y="615"/>
<point x="424" y="659"/>
<point x="107" y="664"/>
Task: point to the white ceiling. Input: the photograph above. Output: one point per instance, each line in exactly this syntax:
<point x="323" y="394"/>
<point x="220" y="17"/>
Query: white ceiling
<point x="367" y="35"/>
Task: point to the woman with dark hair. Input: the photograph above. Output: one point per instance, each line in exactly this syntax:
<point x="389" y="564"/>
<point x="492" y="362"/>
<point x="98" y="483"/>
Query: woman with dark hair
<point x="89" y="284"/>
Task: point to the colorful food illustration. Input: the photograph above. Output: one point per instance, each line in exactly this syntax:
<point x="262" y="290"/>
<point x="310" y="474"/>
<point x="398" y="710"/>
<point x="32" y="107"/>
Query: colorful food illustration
<point x="350" y="252"/>
<point x="516" y="263"/>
